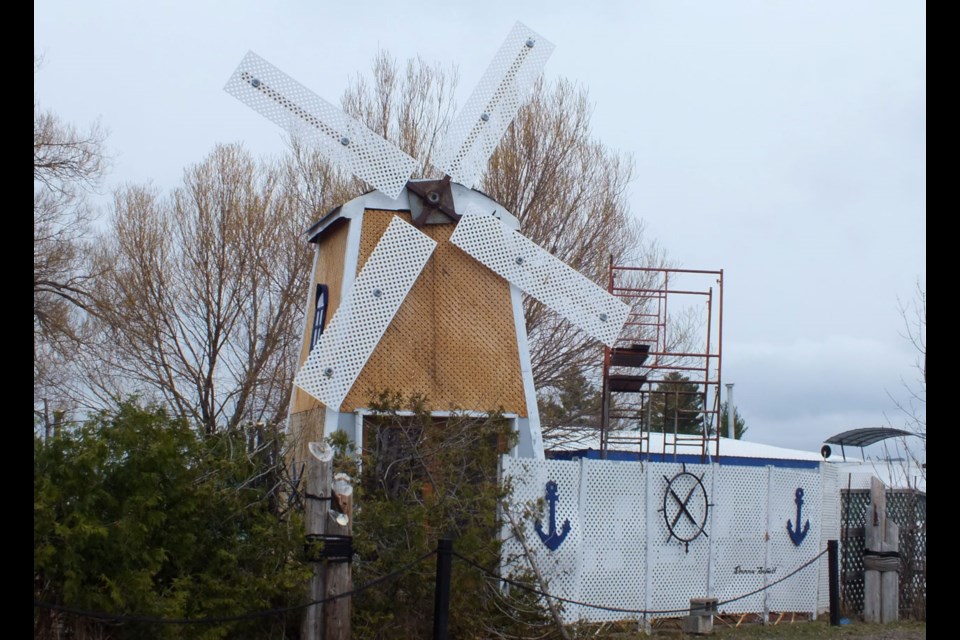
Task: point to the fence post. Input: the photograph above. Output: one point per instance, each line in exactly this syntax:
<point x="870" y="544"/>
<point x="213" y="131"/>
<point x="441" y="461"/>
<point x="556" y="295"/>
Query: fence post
<point x="441" y="602"/>
<point x="319" y="477"/>
<point x="833" y="569"/>
<point x="338" y="577"/>
<point x="890" y="579"/>
<point x="875" y="520"/>
<point x="880" y="559"/>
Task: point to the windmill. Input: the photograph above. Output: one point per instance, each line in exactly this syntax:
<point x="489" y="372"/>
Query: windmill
<point x="423" y="278"/>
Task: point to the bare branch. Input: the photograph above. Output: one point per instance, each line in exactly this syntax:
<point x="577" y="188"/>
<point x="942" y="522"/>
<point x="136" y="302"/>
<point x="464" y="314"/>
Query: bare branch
<point x="67" y="164"/>
<point x="202" y="300"/>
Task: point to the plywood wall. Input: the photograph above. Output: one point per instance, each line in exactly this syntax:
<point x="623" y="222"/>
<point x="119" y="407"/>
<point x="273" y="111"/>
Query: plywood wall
<point x="328" y="270"/>
<point x="452" y="340"/>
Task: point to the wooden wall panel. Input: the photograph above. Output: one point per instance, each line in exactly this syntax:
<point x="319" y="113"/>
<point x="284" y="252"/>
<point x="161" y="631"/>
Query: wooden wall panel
<point x="453" y="339"/>
<point x="332" y="249"/>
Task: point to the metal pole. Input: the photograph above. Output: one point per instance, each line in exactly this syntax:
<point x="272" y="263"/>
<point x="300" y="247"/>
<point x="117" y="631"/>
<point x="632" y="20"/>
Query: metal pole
<point x="605" y="406"/>
<point x="441" y="602"/>
<point x="833" y="566"/>
<point x="731" y="430"/>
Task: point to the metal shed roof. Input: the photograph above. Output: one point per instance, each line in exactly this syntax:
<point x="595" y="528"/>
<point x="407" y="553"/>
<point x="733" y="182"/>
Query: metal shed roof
<point x="866" y="436"/>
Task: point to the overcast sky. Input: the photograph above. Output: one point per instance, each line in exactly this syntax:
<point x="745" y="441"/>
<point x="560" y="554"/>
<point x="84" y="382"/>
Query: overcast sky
<point x="780" y="141"/>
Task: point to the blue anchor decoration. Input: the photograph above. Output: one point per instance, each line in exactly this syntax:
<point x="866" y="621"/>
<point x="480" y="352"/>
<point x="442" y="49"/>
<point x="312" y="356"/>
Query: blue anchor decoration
<point x="552" y="539"/>
<point x="798" y="535"/>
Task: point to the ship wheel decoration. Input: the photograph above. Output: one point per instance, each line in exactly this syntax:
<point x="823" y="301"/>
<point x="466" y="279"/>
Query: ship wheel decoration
<point x="685" y="507"/>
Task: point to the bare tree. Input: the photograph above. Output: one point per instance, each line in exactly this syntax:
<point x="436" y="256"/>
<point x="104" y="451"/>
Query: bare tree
<point x="912" y="410"/>
<point x="202" y="297"/>
<point x="411" y="107"/>
<point x="68" y="163"/>
<point x="569" y="193"/>
<point x="203" y="301"/>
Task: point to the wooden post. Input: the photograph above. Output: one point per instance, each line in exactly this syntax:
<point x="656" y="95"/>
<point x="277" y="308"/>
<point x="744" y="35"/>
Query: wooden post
<point x="319" y="478"/>
<point x="881" y="560"/>
<point x="873" y="526"/>
<point x="338" y="574"/>
<point x="890" y="579"/>
<point x="833" y="585"/>
<point x="441" y="594"/>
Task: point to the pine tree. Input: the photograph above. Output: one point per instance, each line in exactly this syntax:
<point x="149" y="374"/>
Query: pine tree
<point x="675" y="404"/>
<point x="739" y="424"/>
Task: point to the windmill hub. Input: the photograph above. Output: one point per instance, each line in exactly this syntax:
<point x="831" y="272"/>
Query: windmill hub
<point x="431" y="202"/>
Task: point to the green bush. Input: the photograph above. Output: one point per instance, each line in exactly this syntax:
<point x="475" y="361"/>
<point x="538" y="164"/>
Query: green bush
<point x="424" y="478"/>
<point x="137" y="513"/>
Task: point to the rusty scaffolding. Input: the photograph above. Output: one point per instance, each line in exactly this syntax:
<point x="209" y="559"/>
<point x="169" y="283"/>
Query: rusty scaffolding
<point x="663" y="374"/>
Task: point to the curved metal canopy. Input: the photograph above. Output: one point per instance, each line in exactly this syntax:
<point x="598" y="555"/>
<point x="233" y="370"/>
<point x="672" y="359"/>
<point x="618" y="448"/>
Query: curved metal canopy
<point x="866" y="436"/>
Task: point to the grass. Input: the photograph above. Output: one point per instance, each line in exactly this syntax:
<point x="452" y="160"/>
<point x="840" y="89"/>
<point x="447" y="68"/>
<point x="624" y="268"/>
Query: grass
<point x="726" y="628"/>
<point x="821" y="628"/>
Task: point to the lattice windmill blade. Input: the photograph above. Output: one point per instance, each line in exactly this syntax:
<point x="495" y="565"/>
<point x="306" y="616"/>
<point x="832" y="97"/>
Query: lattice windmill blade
<point x="477" y="130"/>
<point x="538" y="273"/>
<point x="340" y="138"/>
<point x="364" y="313"/>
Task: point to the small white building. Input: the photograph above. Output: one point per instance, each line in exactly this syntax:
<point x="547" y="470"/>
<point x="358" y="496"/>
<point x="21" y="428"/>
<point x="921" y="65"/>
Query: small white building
<point x="902" y="473"/>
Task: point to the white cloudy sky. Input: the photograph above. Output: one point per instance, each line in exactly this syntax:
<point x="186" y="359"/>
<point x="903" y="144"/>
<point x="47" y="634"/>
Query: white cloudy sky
<point x="780" y="141"/>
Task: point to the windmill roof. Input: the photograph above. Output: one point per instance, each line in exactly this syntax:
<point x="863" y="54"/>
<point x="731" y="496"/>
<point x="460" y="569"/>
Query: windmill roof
<point x="466" y="200"/>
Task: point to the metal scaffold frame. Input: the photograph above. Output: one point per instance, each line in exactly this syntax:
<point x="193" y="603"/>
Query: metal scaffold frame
<point x="675" y="328"/>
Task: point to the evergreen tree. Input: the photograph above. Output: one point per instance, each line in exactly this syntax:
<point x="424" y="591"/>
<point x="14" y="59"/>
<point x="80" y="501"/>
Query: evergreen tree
<point x="675" y="404"/>
<point x="136" y="514"/>
<point x="739" y="424"/>
<point x="576" y="404"/>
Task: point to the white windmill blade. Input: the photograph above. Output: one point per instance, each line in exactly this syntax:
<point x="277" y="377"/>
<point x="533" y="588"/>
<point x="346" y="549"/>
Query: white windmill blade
<point x="538" y="273"/>
<point x="494" y="104"/>
<point x="364" y="313"/>
<point x="340" y="138"/>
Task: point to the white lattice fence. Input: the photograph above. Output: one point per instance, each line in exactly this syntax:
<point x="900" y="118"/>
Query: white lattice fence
<point x="651" y="537"/>
<point x="614" y="546"/>
<point x="829" y="528"/>
<point x="740" y="548"/>
<point x="529" y="479"/>
<point x="678" y="562"/>
<point x="793" y="540"/>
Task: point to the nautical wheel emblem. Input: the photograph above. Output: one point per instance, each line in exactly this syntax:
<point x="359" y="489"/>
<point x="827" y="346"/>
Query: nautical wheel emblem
<point x="685" y="507"/>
